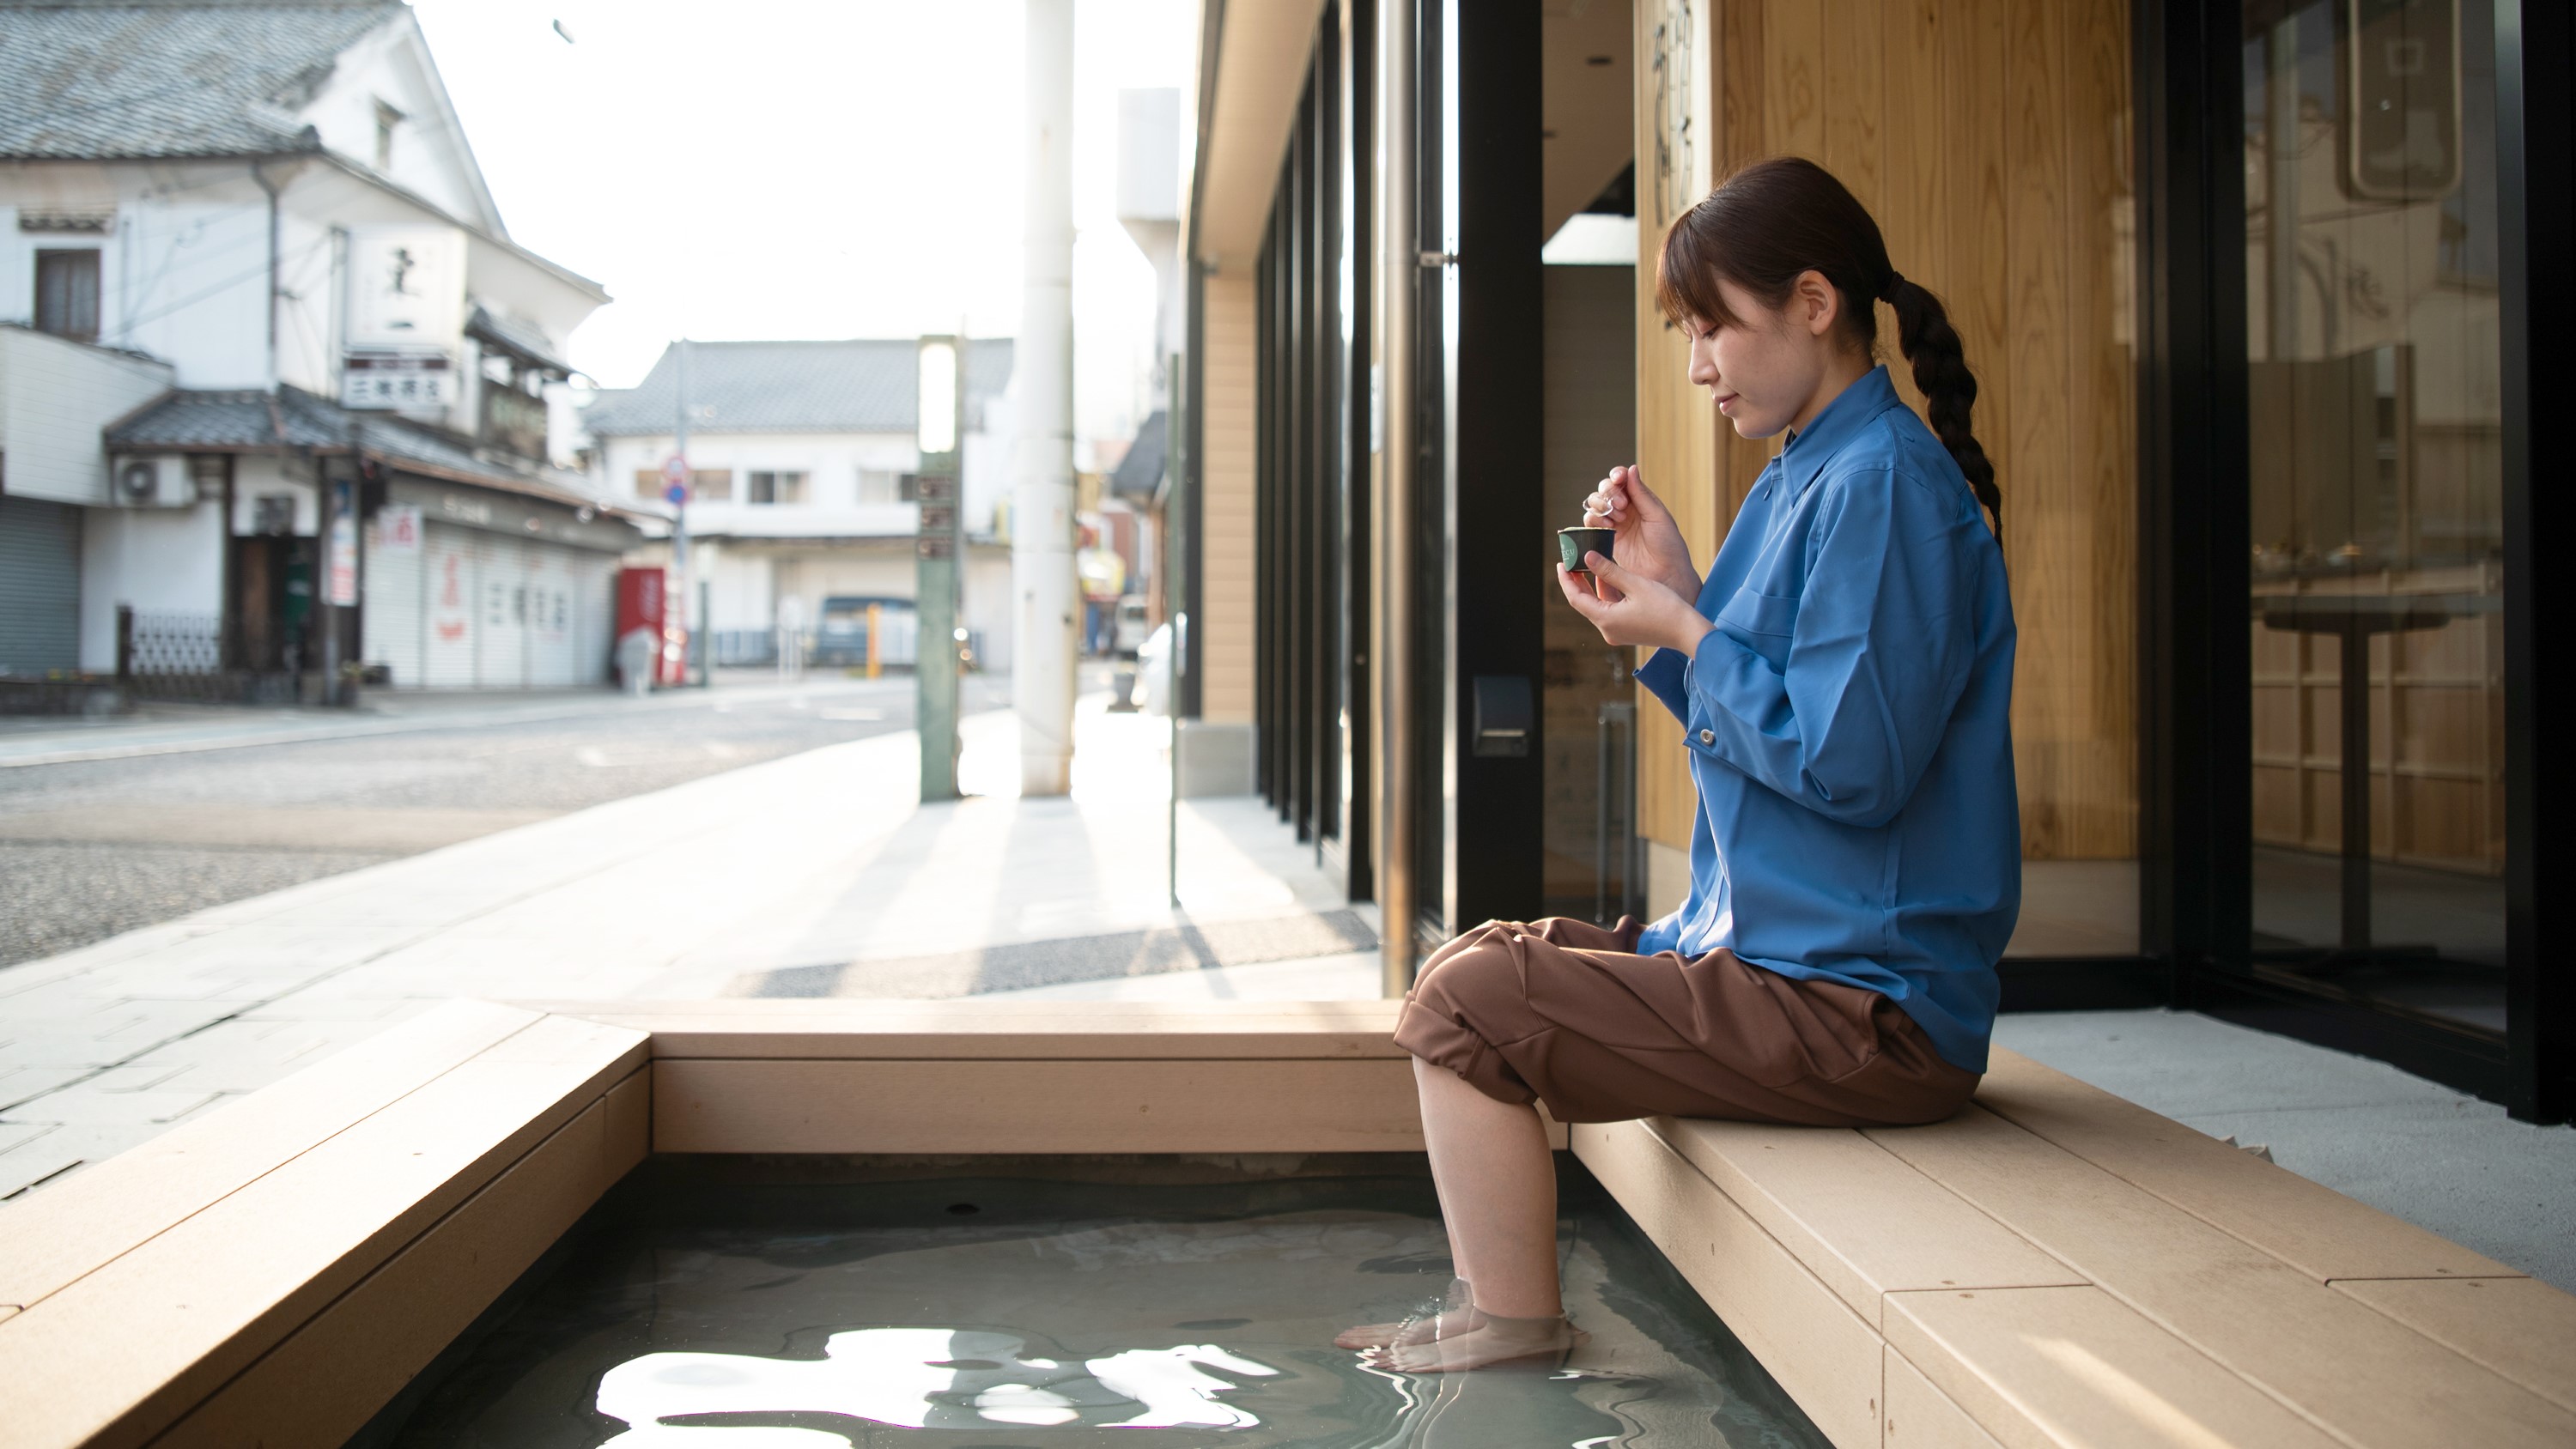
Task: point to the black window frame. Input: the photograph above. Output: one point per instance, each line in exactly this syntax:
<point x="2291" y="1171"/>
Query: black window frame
<point x="2195" y="888"/>
<point x="49" y="259"/>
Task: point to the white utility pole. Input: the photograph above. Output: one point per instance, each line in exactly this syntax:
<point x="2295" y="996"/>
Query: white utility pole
<point x="1042" y="636"/>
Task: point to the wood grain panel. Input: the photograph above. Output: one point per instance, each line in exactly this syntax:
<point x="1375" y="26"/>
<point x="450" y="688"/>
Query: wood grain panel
<point x="1819" y="1350"/>
<point x="1676" y="427"/>
<point x="1990" y="139"/>
<point x="1918" y="1415"/>
<point x="1229" y="349"/>
<point x="2368" y="1380"/>
<point x="52" y="1238"/>
<point x="2311" y="1227"/>
<point x="2522" y="1328"/>
<point x="988" y="1029"/>
<point x="1034" y="1106"/>
<point x="2047" y="1368"/>
<point x="137" y="1342"/>
<point x="1855" y="1214"/>
<point x="322" y="1384"/>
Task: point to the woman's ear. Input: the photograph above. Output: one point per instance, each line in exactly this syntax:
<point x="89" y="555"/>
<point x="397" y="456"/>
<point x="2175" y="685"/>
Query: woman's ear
<point x="1815" y="302"/>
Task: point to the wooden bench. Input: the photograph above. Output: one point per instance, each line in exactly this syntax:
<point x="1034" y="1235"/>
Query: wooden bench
<point x="2055" y="1267"/>
<point x="2058" y="1266"/>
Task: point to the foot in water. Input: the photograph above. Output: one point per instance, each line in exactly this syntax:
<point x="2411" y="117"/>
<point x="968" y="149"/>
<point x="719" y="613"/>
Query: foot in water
<point x="1448" y="1315"/>
<point x="1494" y="1340"/>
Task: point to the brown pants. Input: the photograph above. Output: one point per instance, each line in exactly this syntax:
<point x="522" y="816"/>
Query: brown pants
<point x="1568" y="1013"/>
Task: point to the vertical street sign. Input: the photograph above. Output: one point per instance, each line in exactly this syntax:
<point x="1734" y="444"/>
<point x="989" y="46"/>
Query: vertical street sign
<point x="939" y="433"/>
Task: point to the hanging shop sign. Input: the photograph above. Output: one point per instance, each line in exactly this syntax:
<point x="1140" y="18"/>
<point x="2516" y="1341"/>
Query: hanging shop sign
<point x="396" y="381"/>
<point x="398" y="528"/>
<point x="341" y="575"/>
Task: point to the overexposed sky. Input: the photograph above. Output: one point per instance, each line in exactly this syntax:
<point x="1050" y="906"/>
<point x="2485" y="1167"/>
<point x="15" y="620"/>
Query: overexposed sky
<point x="803" y="168"/>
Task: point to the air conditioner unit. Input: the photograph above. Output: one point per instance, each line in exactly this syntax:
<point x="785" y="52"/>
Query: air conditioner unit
<point x="154" y="480"/>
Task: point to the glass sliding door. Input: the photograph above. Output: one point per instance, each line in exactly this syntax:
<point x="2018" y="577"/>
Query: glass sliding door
<point x="2375" y="494"/>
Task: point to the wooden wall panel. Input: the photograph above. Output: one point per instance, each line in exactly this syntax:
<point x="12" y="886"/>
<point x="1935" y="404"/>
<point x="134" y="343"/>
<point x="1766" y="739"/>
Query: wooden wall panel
<point x="1676" y="428"/>
<point x="1989" y="137"/>
<point x="1229" y="352"/>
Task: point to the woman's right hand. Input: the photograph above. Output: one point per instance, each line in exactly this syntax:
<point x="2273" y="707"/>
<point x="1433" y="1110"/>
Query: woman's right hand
<point x="1650" y="543"/>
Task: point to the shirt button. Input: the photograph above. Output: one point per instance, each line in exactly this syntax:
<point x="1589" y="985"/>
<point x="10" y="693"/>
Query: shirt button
<point x="1708" y="737"/>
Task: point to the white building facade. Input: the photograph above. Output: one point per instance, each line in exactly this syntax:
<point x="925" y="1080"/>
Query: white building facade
<point x="270" y="362"/>
<point x="802" y="456"/>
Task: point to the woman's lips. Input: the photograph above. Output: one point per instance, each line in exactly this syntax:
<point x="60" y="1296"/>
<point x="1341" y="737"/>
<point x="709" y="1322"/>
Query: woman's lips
<point x="1725" y="401"/>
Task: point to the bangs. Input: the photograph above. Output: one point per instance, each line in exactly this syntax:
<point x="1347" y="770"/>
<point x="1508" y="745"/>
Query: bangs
<point x="1686" y="274"/>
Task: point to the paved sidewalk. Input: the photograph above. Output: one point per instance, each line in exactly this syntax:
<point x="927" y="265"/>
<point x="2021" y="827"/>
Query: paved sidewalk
<point x="819" y="859"/>
<point x="164" y="729"/>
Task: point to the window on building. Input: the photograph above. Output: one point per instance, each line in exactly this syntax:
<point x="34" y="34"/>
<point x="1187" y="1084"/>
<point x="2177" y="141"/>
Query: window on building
<point x="877" y="485"/>
<point x="767" y="487"/>
<point x="387" y="118"/>
<point x="907" y="488"/>
<point x="706" y="485"/>
<point x="67" y="293"/>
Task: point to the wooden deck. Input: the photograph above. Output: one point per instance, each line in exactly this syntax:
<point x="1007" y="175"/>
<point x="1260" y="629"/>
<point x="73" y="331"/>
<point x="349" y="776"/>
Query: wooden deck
<point x="2054" y="1267"/>
<point x="2057" y="1266"/>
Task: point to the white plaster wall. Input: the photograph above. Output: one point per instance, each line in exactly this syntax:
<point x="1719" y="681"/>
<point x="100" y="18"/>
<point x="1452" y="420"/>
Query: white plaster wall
<point x="430" y="155"/>
<point x="165" y="560"/>
<point x="832" y="463"/>
<point x="254" y="475"/>
<point x="183" y="269"/>
<point x="55" y="396"/>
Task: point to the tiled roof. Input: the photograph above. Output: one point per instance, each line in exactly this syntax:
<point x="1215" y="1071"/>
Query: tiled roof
<point x="241" y="419"/>
<point x="93" y="81"/>
<point x="1140" y="472"/>
<point x="860" y="386"/>
<point x="244" y="420"/>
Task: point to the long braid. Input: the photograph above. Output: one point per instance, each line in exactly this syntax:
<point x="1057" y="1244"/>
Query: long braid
<point x="1776" y="220"/>
<point x="1931" y="344"/>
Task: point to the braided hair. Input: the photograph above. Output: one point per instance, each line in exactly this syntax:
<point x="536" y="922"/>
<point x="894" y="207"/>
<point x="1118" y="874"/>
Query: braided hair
<point x="1775" y="220"/>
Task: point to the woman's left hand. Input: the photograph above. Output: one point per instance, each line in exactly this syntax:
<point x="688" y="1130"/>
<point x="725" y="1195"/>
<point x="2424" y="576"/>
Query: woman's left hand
<point x="1634" y="610"/>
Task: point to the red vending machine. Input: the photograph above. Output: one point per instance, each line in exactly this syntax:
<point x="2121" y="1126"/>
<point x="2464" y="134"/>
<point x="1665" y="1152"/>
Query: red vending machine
<point x="644" y="603"/>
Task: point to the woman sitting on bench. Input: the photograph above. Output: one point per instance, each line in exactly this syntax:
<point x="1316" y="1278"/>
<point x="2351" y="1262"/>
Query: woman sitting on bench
<point x="1843" y="677"/>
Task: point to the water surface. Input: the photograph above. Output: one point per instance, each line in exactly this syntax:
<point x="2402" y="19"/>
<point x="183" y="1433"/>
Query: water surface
<point x="700" y="1310"/>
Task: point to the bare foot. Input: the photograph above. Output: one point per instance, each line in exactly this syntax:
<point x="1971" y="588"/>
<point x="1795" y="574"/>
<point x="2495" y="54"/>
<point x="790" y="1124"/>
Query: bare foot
<point x="1496" y="1340"/>
<point x="1453" y="1312"/>
<point x="1425" y="1327"/>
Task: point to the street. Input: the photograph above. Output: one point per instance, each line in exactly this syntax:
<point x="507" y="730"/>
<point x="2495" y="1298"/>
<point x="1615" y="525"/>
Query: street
<point x="93" y="848"/>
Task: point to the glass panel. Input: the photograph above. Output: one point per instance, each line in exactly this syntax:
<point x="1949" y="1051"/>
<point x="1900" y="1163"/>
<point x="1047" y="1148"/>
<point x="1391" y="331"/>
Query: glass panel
<point x="1590" y="861"/>
<point x="2376" y="490"/>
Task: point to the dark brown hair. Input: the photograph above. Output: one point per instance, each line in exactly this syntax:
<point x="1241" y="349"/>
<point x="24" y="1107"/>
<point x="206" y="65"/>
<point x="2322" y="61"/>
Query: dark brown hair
<point x="1768" y="223"/>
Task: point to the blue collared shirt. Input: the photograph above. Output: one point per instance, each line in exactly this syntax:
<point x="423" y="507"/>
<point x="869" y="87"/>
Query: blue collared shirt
<point x="1849" y="731"/>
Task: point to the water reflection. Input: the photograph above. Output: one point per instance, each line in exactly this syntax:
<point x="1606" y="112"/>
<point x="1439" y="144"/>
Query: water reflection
<point x="928" y="1378"/>
<point x="868" y="1316"/>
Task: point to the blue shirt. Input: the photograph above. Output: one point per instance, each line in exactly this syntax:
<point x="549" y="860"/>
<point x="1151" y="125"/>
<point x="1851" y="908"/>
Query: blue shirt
<point x="1849" y="731"/>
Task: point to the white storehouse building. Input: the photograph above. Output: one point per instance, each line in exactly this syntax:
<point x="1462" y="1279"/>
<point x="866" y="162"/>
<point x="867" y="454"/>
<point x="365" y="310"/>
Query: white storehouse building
<point x="802" y="456"/>
<point x="273" y="377"/>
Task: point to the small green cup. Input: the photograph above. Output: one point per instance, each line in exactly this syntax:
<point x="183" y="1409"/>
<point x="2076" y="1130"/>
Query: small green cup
<point x="1573" y="543"/>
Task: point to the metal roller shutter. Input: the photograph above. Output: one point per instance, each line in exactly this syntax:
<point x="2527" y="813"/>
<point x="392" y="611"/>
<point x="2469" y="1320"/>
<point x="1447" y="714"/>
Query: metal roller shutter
<point x="40" y="546"/>
<point x="453" y="590"/>
<point x="550" y="627"/>
<point x="593" y="614"/>
<point x="500" y="613"/>
<point x="394" y="618"/>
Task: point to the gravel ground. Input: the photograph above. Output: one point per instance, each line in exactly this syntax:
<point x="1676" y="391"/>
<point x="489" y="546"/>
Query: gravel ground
<point x="61" y="888"/>
<point x="63" y="896"/>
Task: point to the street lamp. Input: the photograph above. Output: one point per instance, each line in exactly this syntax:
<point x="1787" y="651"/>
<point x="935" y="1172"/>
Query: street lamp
<point x="938" y="396"/>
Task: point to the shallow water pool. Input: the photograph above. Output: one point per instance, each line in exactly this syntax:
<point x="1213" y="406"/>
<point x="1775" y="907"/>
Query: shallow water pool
<point x="714" y="1305"/>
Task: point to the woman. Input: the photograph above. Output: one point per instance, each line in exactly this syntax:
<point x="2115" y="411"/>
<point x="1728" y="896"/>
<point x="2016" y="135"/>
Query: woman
<point x="1842" y="677"/>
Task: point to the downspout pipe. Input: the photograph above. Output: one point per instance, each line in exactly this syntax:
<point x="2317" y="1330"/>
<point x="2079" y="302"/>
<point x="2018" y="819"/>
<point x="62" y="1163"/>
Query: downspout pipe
<point x="259" y="175"/>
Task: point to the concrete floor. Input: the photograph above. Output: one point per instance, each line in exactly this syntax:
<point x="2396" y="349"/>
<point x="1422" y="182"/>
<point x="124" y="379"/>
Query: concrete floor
<point x="2412" y="1148"/>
